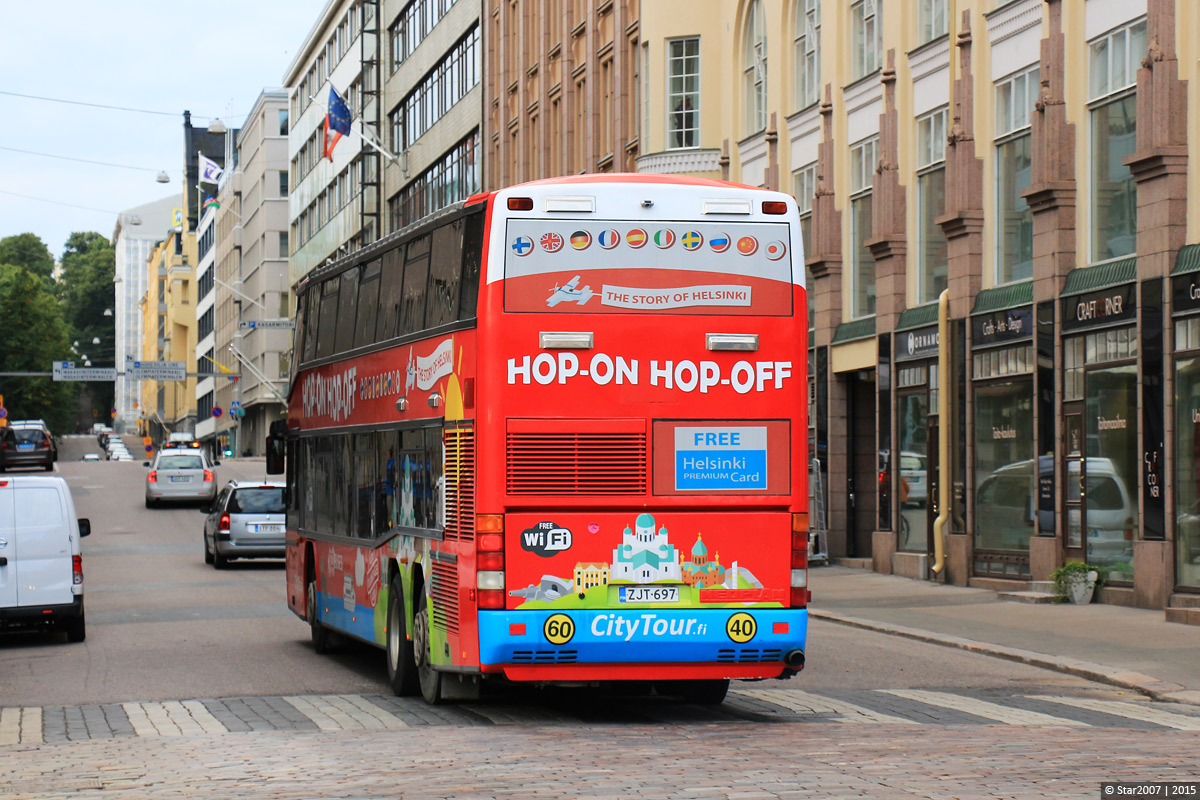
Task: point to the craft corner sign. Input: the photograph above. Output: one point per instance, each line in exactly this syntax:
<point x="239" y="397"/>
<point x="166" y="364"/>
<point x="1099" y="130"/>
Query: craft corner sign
<point x="1104" y="307"/>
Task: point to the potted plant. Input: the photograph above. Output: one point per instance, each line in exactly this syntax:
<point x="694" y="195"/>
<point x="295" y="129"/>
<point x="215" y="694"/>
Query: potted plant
<point x="1075" y="581"/>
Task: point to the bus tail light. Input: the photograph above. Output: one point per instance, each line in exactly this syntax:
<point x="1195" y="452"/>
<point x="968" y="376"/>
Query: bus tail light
<point x="520" y="204"/>
<point x="489" y="560"/>
<point x="223" y="525"/>
<point x="153" y="476"/>
<point x="774" y="207"/>
<point x="77" y="569"/>
<point x="799" y="594"/>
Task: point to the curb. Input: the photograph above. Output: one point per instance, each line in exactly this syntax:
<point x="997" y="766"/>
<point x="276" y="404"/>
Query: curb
<point x="1153" y="688"/>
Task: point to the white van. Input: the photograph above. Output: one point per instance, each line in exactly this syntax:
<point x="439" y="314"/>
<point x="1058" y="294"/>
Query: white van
<point x="41" y="569"/>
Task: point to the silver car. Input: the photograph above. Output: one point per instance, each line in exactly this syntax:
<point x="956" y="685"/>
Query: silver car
<point x="180" y="476"/>
<point x="246" y="521"/>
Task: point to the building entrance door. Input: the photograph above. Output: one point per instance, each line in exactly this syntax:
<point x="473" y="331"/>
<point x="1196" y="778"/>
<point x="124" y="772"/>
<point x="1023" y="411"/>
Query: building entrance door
<point x="863" y="463"/>
<point x="1075" y="472"/>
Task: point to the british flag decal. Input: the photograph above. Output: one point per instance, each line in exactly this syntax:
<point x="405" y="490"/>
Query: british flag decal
<point x="552" y="242"/>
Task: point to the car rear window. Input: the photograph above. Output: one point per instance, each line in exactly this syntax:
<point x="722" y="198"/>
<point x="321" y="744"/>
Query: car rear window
<point x="181" y="462"/>
<point x="256" y="501"/>
<point x="27" y="435"/>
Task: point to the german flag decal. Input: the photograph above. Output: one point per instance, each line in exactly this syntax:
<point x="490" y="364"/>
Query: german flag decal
<point x="580" y="240"/>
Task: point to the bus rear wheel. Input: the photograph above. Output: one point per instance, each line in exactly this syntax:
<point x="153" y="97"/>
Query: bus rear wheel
<point x="429" y="678"/>
<point x="402" y="665"/>
<point x="322" y="639"/>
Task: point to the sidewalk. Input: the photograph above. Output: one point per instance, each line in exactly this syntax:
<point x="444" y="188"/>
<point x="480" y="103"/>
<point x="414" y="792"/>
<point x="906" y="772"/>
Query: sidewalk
<point x="1133" y="648"/>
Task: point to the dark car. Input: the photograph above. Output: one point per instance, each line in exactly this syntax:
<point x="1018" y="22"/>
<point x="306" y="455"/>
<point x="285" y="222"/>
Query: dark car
<point x="23" y="445"/>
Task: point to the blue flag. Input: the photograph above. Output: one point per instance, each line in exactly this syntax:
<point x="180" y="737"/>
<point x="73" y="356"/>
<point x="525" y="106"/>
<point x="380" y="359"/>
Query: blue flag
<point x="337" y="119"/>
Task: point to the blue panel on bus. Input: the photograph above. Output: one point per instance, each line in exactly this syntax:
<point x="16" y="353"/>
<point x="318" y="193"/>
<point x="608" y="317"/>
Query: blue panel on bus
<point x="357" y="621"/>
<point x="720" y="457"/>
<point x="641" y="636"/>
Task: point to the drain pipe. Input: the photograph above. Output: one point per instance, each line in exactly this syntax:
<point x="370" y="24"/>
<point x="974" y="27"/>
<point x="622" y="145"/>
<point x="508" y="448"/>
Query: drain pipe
<point x="943" y="517"/>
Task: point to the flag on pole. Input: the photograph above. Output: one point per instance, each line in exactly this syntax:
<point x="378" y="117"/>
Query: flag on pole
<point x="210" y="202"/>
<point x="337" y="119"/>
<point x="224" y="369"/>
<point x="176" y="217"/>
<point x="210" y="171"/>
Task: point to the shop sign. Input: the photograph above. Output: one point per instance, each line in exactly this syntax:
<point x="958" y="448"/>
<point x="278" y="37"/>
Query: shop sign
<point x="1095" y="309"/>
<point x="1000" y="327"/>
<point x="1185" y="292"/>
<point x="918" y="343"/>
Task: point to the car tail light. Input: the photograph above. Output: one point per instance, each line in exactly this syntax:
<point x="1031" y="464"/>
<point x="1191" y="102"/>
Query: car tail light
<point x="224" y="523"/>
<point x="799" y="594"/>
<point x="489" y="550"/>
<point x="153" y="476"/>
<point x="77" y="569"/>
<point x="45" y="445"/>
<point x="208" y="476"/>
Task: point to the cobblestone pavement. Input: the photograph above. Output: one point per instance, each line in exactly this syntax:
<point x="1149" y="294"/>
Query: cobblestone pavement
<point x="763" y="742"/>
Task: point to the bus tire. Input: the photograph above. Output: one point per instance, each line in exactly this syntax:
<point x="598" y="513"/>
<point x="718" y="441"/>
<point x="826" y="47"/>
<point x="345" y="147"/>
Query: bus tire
<point x="700" y="692"/>
<point x="401" y="663"/>
<point x="322" y="639"/>
<point x="429" y="678"/>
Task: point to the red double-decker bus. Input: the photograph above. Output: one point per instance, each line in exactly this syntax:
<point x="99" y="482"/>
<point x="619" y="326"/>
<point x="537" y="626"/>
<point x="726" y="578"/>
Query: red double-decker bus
<point x="558" y="433"/>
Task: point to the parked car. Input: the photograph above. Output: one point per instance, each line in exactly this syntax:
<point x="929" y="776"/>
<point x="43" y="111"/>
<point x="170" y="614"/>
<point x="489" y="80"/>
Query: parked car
<point x="180" y="475"/>
<point x="90" y="457"/>
<point x="246" y="521"/>
<point x="26" y="447"/>
<point x="41" y="569"/>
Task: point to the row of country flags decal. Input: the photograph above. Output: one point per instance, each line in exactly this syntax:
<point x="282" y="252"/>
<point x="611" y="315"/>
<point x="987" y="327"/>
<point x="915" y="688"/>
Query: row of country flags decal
<point x="636" y="238"/>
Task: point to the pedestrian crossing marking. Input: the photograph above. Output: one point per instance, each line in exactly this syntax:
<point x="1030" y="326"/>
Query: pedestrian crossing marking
<point x="20" y="726"/>
<point x="314" y="709"/>
<point x="985" y="709"/>
<point x="806" y="702"/>
<point x="1138" y="711"/>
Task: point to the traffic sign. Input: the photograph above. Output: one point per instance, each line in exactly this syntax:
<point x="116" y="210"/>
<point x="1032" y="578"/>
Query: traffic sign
<point x="237" y="412"/>
<point x="252" y="324"/>
<point x="156" y="370"/>
<point x="216" y="412"/>
<point x="67" y="371"/>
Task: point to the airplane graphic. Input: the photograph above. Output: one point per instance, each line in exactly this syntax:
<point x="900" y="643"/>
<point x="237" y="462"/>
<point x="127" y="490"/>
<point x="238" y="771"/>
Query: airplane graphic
<point x="569" y="292"/>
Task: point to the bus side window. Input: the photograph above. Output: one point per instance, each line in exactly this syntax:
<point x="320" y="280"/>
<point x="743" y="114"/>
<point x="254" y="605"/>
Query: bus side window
<point x="368" y="304"/>
<point x="391" y="294"/>
<point x="327" y="328"/>
<point x="472" y="255"/>
<point x="416" y="274"/>
<point x="347" y="303"/>
<point x="445" y="272"/>
<point x="298" y="337"/>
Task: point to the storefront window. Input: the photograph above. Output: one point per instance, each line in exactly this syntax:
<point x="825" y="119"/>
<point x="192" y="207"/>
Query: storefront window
<point x="1110" y="505"/>
<point x="913" y="445"/>
<point x="1005" y="479"/>
<point x="1187" y="472"/>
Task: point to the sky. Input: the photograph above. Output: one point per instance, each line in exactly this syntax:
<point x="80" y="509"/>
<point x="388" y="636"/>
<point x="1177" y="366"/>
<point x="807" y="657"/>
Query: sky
<point x="212" y="58"/>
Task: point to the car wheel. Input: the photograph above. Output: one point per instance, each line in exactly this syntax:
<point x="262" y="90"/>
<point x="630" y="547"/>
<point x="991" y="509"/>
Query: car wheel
<point x="50" y="467"/>
<point x="322" y="638"/>
<point x="429" y="678"/>
<point x="149" y="503"/>
<point x="402" y="665"/>
<point x="219" y="561"/>
<point x="208" y="555"/>
<point x="76" y="628"/>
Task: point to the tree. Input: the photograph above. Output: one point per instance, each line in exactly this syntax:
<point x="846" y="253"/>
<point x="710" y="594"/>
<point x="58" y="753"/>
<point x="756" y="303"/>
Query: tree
<point x="86" y="290"/>
<point x="29" y="251"/>
<point x="32" y="336"/>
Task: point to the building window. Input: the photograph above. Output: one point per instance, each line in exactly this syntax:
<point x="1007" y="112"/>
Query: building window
<point x="644" y="74"/>
<point x="283" y="122"/>
<point x="863" y="158"/>
<point x="283" y="244"/>
<point x="864" y="25"/>
<point x="454" y="177"/>
<point x="807" y="52"/>
<point x="755" y="68"/>
<point x="931" y="204"/>
<point x="415" y="22"/>
<point x="1015" y="97"/>
<point x="804" y="186"/>
<point x="283" y="183"/>
<point x="683" y="93"/>
<point x="1113" y="112"/>
<point x="443" y="86"/>
<point x="931" y="20"/>
<point x="606" y="110"/>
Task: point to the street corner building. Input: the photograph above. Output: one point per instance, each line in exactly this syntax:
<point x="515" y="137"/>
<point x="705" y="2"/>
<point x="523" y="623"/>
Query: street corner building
<point x="1032" y="159"/>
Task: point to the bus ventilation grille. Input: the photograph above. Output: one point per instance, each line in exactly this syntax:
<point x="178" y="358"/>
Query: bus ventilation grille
<point x="544" y="656"/>
<point x="749" y="654"/>
<point x="445" y="596"/>
<point x="460" y="482"/>
<point x="576" y="463"/>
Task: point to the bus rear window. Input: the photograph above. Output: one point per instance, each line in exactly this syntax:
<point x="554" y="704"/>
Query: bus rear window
<point x="599" y="267"/>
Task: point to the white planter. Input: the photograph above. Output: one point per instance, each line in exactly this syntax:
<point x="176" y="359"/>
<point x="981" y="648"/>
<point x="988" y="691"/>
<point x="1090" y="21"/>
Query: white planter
<point x="1080" y="587"/>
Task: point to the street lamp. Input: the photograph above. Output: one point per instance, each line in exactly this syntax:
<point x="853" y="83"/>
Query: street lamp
<point x="163" y="177"/>
<point x="216" y="126"/>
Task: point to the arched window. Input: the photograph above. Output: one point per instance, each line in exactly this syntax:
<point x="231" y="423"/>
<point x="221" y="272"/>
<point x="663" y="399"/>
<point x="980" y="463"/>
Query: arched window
<point x="807" y="51"/>
<point x="756" y="68"/>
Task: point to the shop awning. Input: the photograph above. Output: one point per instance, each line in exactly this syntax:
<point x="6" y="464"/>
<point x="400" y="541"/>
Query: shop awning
<point x="1188" y="260"/>
<point x="1082" y="280"/>
<point x="1002" y="298"/>
<point x="856" y="329"/>
<point x="917" y="317"/>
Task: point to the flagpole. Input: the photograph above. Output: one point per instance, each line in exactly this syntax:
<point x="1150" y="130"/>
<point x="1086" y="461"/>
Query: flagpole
<point x="361" y="133"/>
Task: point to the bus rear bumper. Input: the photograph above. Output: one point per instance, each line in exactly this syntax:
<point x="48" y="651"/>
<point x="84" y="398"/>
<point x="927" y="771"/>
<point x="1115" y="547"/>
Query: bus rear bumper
<point x="643" y="644"/>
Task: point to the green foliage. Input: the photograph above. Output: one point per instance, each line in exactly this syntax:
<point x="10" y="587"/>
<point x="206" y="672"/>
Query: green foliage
<point x="32" y="335"/>
<point x="86" y="289"/>
<point x="1064" y="575"/>
<point x="29" y="251"/>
